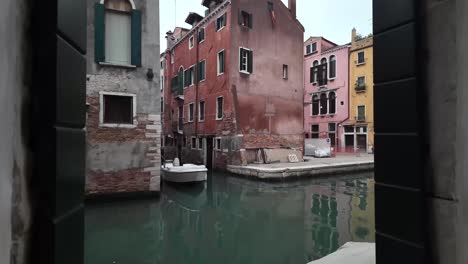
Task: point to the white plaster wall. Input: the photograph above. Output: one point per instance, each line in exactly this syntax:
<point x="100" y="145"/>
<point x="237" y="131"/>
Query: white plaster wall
<point x="14" y="209"/>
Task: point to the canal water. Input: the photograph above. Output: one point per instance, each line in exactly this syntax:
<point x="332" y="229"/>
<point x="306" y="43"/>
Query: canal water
<point x="233" y="220"/>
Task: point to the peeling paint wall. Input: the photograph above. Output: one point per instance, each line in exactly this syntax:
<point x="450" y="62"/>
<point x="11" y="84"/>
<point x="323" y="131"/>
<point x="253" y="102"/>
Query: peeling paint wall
<point x="121" y="159"/>
<point x="15" y="211"/>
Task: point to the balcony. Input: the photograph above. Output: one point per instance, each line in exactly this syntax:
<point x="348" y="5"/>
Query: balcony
<point x="360" y="118"/>
<point x="360" y="87"/>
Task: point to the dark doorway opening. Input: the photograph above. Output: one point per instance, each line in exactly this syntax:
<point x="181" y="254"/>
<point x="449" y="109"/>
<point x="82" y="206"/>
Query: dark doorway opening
<point x="209" y="152"/>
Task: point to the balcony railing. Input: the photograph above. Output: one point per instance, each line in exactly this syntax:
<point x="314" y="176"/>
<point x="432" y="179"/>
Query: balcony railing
<point x="360" y="87"/>
<point x="361" y="118"/>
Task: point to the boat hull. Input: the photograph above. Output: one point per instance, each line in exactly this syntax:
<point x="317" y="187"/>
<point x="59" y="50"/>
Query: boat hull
<point x="183" y="177"/>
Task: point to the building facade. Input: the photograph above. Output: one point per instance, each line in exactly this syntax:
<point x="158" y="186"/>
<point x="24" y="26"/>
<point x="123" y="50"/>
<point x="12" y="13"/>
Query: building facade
<point x="359" y="129"/>
<point x="123" y="97"/>
<point x="326" y="89"/>
<point x="234" y="87"/>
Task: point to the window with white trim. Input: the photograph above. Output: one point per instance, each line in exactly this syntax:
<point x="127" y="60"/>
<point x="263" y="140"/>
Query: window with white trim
<point x="361" y="57"/>
<point x="200" y="143"/>
<point x="311" y="48"/>
<point x="315" y="131"/>
<point x="219" y="108"/>
<point x="191" y="109"/>
<point x="194" y="143"/>
<point x="191" y="40"/>
<point x="201" y="110"/>
<point x="221" y="62"/>
<point x="245" y="60"/>
<point x="218" y="143"/>
<point x="117" y="108"/>
<point x="221" y="22"/>
<point x="202" y="70"/>
<point x="201" y="35"/>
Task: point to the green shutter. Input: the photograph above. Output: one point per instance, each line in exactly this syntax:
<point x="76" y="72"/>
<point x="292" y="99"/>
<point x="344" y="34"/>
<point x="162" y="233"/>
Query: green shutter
<point x="250" y="62"/>
<point x="99" y="33"/>
<point x="136" y="37"/>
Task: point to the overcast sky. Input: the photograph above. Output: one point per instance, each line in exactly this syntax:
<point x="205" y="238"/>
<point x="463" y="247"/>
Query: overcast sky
<point x="332" y="19"/>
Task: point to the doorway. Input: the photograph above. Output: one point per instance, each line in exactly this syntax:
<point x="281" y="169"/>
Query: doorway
<point x="209" y="152"/>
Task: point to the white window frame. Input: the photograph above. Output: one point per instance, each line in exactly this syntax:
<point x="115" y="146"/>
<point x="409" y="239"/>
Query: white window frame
<point x="217" y="146"/>
<point x="218" y="108"/>
<point x="192" y="146"/>
<point x="101" y="110"/>
<point x="199" y="111"/>
<point x="162" y="83"/>
<point x="191" y="42"/>
<point x="357" y="111"/>
<point x="362" y="76"/>
<point x="225" y="22"/>
<point x="218" y="65"/>
<point x="190" y="118"/>
<point x="357" y="59"/>
<point x="204" y="35"/>
<point x="204" y="79"/>
<point x="246" y="71"/>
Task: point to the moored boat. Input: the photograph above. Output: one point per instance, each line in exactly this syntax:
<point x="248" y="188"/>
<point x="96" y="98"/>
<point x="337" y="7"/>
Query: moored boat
<point x="183" y="174"/>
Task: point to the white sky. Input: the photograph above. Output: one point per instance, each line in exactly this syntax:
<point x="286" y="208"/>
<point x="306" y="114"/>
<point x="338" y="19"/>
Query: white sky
<point x="332" y="19"/>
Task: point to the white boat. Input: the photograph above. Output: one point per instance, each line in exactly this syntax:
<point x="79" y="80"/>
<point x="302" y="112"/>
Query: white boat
<point x="183" y="174"/>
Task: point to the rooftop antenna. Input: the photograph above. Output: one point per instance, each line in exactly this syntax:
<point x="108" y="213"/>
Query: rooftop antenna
<point x="175" y="13"/>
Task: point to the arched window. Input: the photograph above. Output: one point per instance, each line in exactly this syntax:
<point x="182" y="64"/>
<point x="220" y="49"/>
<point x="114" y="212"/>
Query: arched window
<point x="332" y="67"/>
<point x="314" y="72"/>
<point x="322" y="72"/>
<point x="315" y="105"/>
<point x="323" y="104"/>
<point x="332" y="103"/>
<point x="117" y="32"/>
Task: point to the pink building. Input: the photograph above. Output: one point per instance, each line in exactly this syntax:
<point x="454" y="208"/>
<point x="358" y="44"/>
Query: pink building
<point x="326" y="89"/>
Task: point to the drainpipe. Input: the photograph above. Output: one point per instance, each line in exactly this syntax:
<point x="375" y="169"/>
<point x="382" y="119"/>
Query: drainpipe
<point x="349" y="95"/>
<point x="196" y="83"/>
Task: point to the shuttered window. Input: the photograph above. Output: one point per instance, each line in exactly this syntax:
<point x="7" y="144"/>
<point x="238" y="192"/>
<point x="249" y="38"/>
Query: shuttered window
<point x="201" y="70"/>
<point x="201" y="35"/>
<point x="191" y="109"/>
<point x="117" y="36"/>
<point x="245" y="60"/>
<point x="201" y="109"/>
<point x="220" y="22"/>
<point x="245" y="19"/>
<point x="221" y="62"/>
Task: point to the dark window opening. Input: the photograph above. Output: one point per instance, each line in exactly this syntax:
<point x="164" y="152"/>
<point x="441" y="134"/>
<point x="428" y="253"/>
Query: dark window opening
<point x="220" y="22"/>
<point x="315" y="131"/>
<point x="218" y="144"/>
<point x="200" y="143"/>
<point x="221" y="62"/>
<point x="219" y="107"/>
<point x="191" y="112"/>
<point x="201" y="35"/>
<point x="323" y="104"/>
<point x="118" y="109"/>
<point x="332" y="73"/>
<point x="332" y="103"/>
<point x="202" y="111"/>
<point x="245" y="60"/>
<point x="361" y="58"/>
<point x="194" y="143"/>
<point x="314" y="72"/>
<point x="322" y="74"/>
<point x="202" y="71"/>
<point x="315" y="105"/>
<point x="285" y="71"/>
<point x="245" y="19"/>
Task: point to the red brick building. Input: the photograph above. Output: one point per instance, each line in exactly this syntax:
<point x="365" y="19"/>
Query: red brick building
<point x="234" y="83"/>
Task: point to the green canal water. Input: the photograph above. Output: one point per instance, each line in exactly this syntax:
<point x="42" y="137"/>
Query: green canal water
<point x="233" y="220"/>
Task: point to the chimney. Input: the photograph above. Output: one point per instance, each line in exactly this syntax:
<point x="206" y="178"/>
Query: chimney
<point x="292" y="7"/>
<point x="353" y="35"/>
<point x="170" y="39"/>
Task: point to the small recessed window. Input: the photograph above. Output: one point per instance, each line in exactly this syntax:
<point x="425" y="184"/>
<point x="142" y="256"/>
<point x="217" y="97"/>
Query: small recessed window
<point x="194" y="142"/>
<point x="285" y="71"/>
<point x="219" y="108"/>
<point x="221" y="62"/>
<point x="200" y="143"/>
<point x="191" y="42"/>
<point x="361" y="59"/>
<point x="315" y="131"/>
<point x="245" y="19"/>
<point x="201" y="110"/>
<point x="191" y="106"/>
<point x="220" y="22"/>
<point x="218" y="144"/>
<point x="201" y="70"/>
<point x="201" y="35"/>
<point x="117" y="109"/>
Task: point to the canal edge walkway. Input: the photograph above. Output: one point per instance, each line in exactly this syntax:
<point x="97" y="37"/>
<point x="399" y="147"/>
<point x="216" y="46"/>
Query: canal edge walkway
<point x="302" y="170"/>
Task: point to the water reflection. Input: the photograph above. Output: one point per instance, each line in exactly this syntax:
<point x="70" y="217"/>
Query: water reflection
<point x="232" y="220"/>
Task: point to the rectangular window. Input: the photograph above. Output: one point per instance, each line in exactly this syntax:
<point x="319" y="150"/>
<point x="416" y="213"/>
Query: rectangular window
<point x="162" y="83"/>
<point x="200" y="143"/>
<point x="361" y="59"/>
<point x="191" y="106"/>
<point x="189" y="77"/>
<point x="221" y="22"/>
<point x="285" y="71"/>
<point x="331" y="127"/>
<point x="308" y="49"/>
<point x="245" y="60"/>
<point x="201" y="110"/>
<point x="194" y="143"/>
<point x="314" y="47"/>
<point x="118" y="38"/>
<point x="201" y="35"/>
<point x="191" y="42"/>
<point x="172" y="57"/>
<point x="361" y="84"/>
<point x="245" y="19"/>
<point x="218" y="143"/>
<point x="349" y="129"/>
<point x="201" y="70"/>
<point x="361" y="113"/>
<point x="221" y="62"/>
<point x="162" y="105"/>
<point x="332" y="133"/>
<point x="315" y="131"/>
<point x="219" y="108"/>
<point x="117" y="109"/>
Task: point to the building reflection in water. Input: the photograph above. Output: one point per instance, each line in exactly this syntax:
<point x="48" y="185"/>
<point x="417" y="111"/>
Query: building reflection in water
<point x="232" y="220"/>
